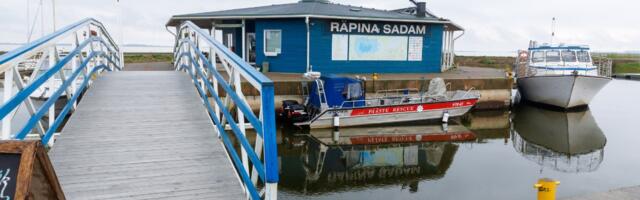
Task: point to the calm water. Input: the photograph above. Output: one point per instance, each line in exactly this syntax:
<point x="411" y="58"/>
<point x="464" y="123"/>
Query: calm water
<point x="488" y="155"/>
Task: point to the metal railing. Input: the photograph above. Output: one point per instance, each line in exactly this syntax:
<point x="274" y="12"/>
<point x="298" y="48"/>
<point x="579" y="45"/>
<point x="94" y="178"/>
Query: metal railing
<point x="54" y="72"/>
<point x="396" y="92"/>
<point x="202" y="66"/>
<point x="604" y="65"/>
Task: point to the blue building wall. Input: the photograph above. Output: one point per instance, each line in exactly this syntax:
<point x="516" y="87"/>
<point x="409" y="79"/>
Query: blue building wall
<point x="293" y="56"/>
<point x="294" y="45"/>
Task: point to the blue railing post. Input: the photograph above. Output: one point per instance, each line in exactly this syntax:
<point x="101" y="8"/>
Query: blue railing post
<point x="270" y="145"/>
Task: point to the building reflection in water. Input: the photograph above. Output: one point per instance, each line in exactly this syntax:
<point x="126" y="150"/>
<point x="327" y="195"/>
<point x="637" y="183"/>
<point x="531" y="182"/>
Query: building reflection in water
<point x="562" y="141"/>
<point x="351" y="158"/>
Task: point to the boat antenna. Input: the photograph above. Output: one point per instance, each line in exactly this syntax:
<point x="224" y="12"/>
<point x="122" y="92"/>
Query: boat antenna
<point x="553" y="29"/>
<point x="53" y="13"/>
<point x="41" y="18"/>
<point x="28" y="21"/>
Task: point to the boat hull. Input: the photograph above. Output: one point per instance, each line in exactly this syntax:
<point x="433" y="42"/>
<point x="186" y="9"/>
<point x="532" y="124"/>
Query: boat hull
<point x="561" y="91"/>
<point x="390" y="114"/>
<point x="405" y="133"/>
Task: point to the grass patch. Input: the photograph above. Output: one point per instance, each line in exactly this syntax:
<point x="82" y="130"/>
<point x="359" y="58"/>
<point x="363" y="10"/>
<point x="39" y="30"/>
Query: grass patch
<point x="627" y="67"/>
<point x="485" y="61"/>
<point x="623" y="56"/>
<point x="147" y="57"/>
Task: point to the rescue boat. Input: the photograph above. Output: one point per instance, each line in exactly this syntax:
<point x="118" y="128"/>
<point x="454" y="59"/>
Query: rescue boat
<point x="336" y="101"/>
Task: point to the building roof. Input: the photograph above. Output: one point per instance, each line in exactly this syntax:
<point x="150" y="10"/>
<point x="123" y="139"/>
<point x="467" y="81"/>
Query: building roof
<point x="313" y="9"/>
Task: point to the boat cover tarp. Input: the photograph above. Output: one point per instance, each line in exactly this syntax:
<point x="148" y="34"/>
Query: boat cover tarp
<point x="338" y="89"/>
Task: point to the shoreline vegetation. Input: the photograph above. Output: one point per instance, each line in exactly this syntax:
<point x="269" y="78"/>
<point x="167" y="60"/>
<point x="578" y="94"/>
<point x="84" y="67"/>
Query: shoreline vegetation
<point x="147" y="57"/>
<point x="622" y="63"/>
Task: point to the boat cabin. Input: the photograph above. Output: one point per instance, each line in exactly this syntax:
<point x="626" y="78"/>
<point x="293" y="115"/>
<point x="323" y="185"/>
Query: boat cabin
<point x="560" y="55"/>
<point x="560" y="59"/>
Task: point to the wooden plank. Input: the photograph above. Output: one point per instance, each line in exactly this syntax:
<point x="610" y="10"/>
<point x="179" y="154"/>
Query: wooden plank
<point x="143" y="135"/>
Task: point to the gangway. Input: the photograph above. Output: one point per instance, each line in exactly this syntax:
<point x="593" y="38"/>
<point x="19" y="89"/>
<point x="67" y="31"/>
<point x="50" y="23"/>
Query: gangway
<point x="116" y="134"/>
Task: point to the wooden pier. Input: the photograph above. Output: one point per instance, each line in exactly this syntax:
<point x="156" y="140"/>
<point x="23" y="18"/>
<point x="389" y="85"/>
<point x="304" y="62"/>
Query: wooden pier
<point x="143" y="135"/>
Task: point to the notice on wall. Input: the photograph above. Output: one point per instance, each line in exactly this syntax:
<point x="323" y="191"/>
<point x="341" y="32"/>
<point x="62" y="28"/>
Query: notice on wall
<point x="415" y="49"/>
<point x="340" y="47"/>
<point x="355" y="47"/>
<point x="376" y="47"/>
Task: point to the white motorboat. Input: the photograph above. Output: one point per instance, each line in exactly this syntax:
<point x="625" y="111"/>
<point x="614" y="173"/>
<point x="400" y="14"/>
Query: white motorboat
<point x="564" y="76"/>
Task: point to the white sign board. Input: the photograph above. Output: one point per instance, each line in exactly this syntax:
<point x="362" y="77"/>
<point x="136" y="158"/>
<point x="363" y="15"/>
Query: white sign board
<point x="377" y="48"/>
<point x="415" y="49"/>
<point x="340" y="47"/>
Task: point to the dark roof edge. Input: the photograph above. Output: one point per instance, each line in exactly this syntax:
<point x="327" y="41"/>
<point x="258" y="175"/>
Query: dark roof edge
<point x="437" y="21"/>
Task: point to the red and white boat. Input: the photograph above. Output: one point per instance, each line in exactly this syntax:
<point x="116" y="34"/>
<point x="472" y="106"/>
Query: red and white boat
<point x="335" y="101"/>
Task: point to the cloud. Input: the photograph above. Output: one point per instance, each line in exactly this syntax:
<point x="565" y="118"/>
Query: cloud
<point x="492" y="25"/>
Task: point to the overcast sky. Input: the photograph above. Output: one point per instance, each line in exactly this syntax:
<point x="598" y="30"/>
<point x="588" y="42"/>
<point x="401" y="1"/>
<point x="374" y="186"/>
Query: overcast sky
<point x="491" y="25"/>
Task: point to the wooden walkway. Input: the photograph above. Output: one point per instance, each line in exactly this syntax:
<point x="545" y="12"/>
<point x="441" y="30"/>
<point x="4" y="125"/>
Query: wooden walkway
<point x="143" y="135"/>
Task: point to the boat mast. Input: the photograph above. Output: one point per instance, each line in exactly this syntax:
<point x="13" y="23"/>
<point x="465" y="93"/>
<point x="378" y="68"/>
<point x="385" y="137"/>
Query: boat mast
<point x="41" y="18"/>
<point x="553" y="29"/>
<point x="28" y="22"/>
<point x="53" y="13"/>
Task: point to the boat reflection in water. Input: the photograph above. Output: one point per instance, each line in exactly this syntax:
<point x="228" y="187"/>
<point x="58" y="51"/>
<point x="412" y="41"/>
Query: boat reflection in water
<point x="335" y="160"/>
<point x="562" y="141"/>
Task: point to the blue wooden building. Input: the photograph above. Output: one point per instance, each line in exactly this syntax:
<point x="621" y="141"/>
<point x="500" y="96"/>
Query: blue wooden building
<point x="318" y="35"/>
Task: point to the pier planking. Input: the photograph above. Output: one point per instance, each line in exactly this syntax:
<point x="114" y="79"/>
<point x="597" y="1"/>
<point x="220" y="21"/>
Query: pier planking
<point x="143" y="135"/>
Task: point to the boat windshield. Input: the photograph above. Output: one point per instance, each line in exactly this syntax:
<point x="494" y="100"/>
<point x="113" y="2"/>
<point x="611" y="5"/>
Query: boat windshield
<point x="537" y="56"/>
<point x="583" y="56"/>
<point x="569" y="56"/>
<point x="553" y="56"/>
<point x="353" y="91"/>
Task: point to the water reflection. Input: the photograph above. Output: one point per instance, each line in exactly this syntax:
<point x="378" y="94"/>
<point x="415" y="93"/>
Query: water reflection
<point x="355" y="160"/>
<point x="562" y="141"/>
<point x="329" y="160"/>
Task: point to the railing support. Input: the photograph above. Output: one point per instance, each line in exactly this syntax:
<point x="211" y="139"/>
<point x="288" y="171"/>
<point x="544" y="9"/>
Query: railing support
<point x="8" y="93"/>
<point x="53" y="82"/>
<point x="261" y="155"/>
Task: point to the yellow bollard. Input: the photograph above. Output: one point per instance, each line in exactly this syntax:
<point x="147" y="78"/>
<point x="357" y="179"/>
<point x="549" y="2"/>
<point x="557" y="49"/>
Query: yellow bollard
<point x="546" y="188"/>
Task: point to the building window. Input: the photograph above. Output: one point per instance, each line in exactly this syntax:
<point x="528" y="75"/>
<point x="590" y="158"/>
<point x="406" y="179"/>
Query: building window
<point x="272" y="42"/>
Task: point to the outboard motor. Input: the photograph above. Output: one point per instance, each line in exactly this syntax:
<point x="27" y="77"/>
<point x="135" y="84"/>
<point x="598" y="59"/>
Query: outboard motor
<point x="293" y="112"/>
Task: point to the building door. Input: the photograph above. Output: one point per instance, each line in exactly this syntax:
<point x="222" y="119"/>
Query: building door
<point x="228" y="41"/>
<point x="251" y="48"/>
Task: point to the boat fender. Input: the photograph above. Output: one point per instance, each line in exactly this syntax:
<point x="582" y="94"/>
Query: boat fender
<point x="445" y="117"/>
<point x="336" y="120"/>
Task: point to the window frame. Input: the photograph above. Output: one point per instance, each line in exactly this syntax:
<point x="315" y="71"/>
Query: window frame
<point x="587" y="54"/>
<point x="533" y="59"/>
<point x="575" y="55"/>
<point x="271" y="53"/>
<point x="546" y="56"/>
